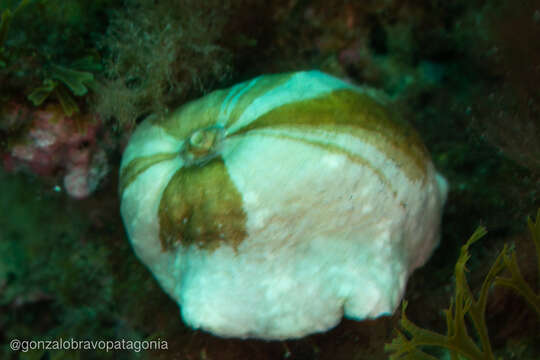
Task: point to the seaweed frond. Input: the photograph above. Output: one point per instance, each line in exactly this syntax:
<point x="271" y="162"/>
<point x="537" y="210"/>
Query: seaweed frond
<point x="43" y="65"/>
<point x="75" y="80"/>
<point x="410" y="342"/>
<point x="64" y="81"/>
<point x="516" y="281"/>
<point x="49" y="86"/>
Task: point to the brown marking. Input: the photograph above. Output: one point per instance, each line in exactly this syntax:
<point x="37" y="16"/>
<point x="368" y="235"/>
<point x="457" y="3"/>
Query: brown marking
<point x="202" y="207"/>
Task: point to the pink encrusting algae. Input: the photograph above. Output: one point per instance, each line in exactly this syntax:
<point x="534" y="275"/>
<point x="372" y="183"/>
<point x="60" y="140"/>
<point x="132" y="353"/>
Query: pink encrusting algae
<point x="56" y="145"/>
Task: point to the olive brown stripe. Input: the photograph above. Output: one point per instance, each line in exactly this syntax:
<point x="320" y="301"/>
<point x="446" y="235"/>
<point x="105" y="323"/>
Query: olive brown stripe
<point x="354" y="113"/>
<point x="138" y="165"/>
<point x="209" y="110"/>
<point x="201" y="206"/>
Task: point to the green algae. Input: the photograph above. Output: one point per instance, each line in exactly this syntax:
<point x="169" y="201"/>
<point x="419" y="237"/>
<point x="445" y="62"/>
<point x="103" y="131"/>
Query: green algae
<point x="45" y="47"/>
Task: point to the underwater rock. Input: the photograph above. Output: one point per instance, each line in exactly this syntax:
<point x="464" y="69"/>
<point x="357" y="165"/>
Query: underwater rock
<point x="273" y="208"/>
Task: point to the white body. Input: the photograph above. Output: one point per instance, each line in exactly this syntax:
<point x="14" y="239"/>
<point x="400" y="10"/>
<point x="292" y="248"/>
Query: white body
<point x="326" y="237"/>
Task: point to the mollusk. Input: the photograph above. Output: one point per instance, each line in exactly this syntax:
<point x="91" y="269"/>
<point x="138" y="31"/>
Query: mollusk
<point x="273" y="208"/>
